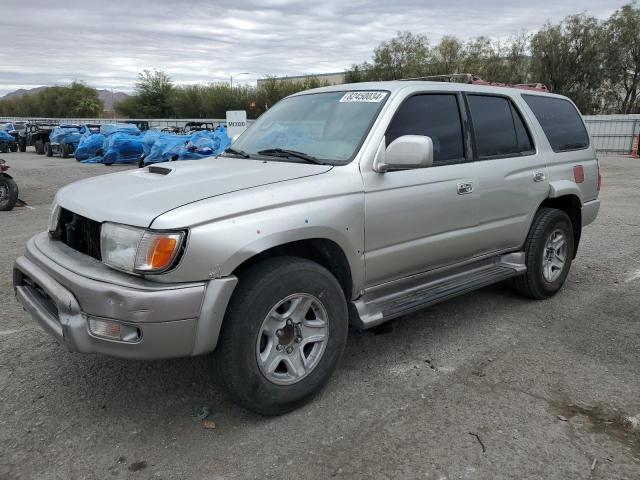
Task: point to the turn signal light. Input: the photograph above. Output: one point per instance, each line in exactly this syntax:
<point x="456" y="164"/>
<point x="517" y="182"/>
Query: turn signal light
<point x="161" y="253"/>
<point x="114" y="330"/>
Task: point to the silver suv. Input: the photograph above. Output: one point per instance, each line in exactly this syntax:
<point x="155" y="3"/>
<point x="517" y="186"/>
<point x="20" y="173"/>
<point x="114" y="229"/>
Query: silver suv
<point x="350" y="204"/>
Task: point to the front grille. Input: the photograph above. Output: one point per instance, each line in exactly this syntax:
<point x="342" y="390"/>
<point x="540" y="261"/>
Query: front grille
<point x="80" y="233"/>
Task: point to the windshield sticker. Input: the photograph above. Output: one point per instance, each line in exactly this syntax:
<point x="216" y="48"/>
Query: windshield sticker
<point x="370" y="97"/>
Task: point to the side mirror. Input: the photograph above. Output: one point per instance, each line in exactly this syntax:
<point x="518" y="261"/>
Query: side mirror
<point x="406" y="152"/>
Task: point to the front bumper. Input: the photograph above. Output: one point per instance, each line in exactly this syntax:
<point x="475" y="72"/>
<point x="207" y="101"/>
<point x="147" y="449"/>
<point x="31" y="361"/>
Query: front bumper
<point x="62" y="289"/>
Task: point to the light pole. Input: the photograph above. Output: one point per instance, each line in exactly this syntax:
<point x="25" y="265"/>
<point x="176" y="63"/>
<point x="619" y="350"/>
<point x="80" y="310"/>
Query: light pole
<point x="237" y="75"/>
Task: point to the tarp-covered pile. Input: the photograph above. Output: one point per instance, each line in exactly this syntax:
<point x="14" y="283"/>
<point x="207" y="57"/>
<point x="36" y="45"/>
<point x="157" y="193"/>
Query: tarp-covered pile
<point x="205" y="143"/>
<point x="5" y="137"/>
<point x="123" y="143"/>
<point x="89" y="145"/>
<point x="64" y="135"/>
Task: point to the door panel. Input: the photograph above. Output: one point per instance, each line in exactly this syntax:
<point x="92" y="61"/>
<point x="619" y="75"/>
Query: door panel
<point x="511" y="173"/>
<point x="415" y="220"/>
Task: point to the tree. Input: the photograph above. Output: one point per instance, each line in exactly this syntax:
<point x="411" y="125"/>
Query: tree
<point x="404" y="56"/>
<point x="568" y="58"/>
<point x="75" y="99"/>
<point x="622" y="59"/>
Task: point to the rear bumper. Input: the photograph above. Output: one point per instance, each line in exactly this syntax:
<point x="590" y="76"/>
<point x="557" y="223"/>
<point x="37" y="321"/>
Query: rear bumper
<point x="590" y="211"/>
<point x="62" y="289"/>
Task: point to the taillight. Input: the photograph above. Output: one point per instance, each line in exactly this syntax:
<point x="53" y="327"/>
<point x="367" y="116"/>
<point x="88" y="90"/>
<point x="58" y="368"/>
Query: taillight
<point x="578" y="173"/>
<point x="599" y="180"/>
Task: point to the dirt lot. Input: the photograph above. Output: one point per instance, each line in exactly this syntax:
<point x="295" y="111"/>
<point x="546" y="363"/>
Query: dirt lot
<point x="487" y="386"/>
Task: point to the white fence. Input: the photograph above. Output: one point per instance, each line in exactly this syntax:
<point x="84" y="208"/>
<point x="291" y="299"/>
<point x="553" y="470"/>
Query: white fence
<point x="613" y="133"/>
<point x="158" y="123"/>
<point x="610" y="133"/>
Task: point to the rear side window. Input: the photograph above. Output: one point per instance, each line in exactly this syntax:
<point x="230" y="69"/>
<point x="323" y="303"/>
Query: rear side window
<point x="498" y="127"/>
<point x="560" y="121"/>
<point x="433" y="115"/>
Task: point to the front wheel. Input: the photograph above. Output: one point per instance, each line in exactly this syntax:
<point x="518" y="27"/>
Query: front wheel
<point x="48" y="149"/>
<point x="8" y="193"/>
<point x="283" y="334"/>
<point x="548" y="251"/>
<point x="39" y="144"/>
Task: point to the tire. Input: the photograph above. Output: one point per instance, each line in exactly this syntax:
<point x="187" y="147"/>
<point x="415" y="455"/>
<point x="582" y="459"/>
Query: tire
<point x="64" y="149"/>
<point x="236" y="361"/>
<point x="4" y="148"/>
<point x="48" y="150"/>
<point x="8" y="193"/>
<point x="39" y="147"/>
<point x="537" y="283"/>
<point x="14" y="147"/>
<point x="22" y="145"/>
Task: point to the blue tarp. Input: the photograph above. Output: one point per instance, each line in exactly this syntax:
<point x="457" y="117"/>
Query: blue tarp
<point x="111" y="128"/>
<point x="121" y="143"/>
<point x="148" y="139"/>
<point x="166" y="147"/>
<point x="8" y="127"/>
<point x="122" y="148"/>
<point x="89" y="144"/>
<point x="169" y="147"/>
<point x="205" y="144"/>
<point x="5" y="137"/>
<point x="65" y="135"/>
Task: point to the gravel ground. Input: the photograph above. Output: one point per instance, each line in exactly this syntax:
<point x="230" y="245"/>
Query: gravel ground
<point x="486" y="386"/>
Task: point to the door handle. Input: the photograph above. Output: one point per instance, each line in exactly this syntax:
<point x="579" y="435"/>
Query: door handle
<point x="539" y="177"/>
<point x="464" y="188"/>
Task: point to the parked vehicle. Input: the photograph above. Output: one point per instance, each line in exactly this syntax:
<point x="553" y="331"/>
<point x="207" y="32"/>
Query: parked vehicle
<point x="36" y="134"/>
<point x="350" y="203"/>
<point x="13" y="129"/>
<point x="63" y="140"/>
<point x="190" y="127"/>
<point x="8" y="188"/>
<point x="8" y="141"/>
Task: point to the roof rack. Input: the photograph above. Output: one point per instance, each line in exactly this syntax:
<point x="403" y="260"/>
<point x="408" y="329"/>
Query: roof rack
<point x="476" y="80"/>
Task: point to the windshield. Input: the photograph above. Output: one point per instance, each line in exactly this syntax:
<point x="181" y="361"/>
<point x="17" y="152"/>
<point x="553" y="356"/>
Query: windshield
<point x="329" y="126"/>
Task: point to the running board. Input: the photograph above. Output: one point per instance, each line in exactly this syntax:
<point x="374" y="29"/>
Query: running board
<point x="389" y="301"/>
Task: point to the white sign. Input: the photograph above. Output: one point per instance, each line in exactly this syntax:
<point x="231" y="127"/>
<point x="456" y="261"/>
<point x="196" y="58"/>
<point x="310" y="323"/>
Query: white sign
<point x="236" y="123"/>
<point x="369" y="97"/>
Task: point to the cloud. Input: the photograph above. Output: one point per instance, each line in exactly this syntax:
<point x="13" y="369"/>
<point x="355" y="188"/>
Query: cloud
<point x="105" y="44"/>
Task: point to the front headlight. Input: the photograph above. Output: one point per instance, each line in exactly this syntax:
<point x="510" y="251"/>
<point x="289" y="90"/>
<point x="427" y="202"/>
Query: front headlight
<point x="137" y="250"/>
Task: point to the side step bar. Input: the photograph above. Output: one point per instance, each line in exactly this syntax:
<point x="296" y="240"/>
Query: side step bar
<point x="383" y="303"/>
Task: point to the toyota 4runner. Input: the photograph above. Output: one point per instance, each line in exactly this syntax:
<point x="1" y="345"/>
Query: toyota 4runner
<point x="349" y="204"/>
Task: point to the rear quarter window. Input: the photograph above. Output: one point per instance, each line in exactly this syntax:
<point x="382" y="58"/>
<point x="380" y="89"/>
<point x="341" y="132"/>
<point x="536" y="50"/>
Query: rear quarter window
<point x="560" y="121"/>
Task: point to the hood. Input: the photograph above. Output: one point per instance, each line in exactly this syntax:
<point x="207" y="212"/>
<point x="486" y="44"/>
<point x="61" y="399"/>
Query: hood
<point x="137" y="197"/>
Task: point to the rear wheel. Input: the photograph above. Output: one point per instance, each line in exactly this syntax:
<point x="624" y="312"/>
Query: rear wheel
<point x="22" y="145"/>
<point x="283" y="334"/>
<point x="48" y="149"/>
<point x="549" y="251"/>
<point x="64" y="148"/>
<point x="14" y="147"/>
<point x="4" y="148"/>
<point x="8" y="193"/>
<point x="39" y="144"/>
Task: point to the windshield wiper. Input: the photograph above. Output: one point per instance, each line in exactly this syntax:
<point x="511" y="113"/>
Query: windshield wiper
<point x="279" y="152"/>
<point x="241" y="153"/>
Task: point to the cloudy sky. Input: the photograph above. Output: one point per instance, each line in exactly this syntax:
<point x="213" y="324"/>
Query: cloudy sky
<point x="106" y="43"/>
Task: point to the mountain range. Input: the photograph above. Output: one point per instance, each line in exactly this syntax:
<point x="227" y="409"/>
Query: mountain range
<point x="108" y="98"/>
